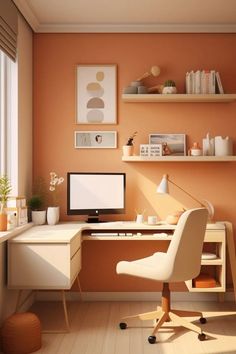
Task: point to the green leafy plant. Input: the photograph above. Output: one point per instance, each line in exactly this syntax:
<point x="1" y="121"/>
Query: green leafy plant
<point x="130" y="140"/>
<point x="36" y="202"/>
<point x="169" y="83"/>
<point x="5" y="190"/>
<point x="39" y="196"/>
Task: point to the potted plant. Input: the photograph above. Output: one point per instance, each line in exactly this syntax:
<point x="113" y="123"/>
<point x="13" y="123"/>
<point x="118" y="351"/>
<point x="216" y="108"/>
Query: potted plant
<point x="128" y="149"/>
<point x="169" y="87"/>
<point x="38" y="212"/>
<point x="37" y="202"/>
<point x="5" y="189"/>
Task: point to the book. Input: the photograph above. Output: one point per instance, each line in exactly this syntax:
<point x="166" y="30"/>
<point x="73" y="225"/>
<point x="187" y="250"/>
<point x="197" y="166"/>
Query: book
<point x="212" y="82"/>
<point x="219" y="83"/>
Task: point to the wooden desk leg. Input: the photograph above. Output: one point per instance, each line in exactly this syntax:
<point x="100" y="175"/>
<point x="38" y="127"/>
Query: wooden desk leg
<point x="231" y="252"/>
<point x="18" y="301"/>
<point x="79" y="286"/>
<point x="65" y="310"/>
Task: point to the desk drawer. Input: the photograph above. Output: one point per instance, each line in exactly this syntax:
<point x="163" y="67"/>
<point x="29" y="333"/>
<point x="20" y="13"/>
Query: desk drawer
<point x="75" y="245"/>
<point x="75" y="265"/>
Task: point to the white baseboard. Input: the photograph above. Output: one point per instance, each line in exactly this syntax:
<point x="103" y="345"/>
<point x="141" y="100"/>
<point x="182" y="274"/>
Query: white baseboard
<point x="129" y="296"/>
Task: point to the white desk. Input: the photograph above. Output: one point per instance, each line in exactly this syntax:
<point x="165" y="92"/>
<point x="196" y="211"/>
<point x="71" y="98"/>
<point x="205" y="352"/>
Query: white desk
<point x="49" y="257"/>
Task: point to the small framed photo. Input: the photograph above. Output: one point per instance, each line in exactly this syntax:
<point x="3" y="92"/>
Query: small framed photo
<point x="96" y="96"/>
<point x="151" y="150"/>
<point x="172" y="144"/>
<point x="95" y="139"/>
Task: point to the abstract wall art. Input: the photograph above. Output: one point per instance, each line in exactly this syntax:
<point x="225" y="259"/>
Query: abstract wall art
<point x="96" y="94"/>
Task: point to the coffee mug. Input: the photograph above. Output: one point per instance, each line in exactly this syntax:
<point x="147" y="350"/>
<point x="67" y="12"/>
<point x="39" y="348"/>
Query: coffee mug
<point x="152" y="220"/>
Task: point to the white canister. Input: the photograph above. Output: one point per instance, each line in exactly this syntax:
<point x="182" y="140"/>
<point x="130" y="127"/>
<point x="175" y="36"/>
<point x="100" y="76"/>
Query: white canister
<point x="223" y="146"/>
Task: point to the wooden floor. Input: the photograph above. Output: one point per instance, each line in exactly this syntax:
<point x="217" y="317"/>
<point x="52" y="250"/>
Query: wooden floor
<point x="94" y="329"/>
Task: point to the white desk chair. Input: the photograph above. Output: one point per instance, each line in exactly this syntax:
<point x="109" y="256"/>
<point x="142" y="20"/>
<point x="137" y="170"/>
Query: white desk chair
<point x="181" y="262"/>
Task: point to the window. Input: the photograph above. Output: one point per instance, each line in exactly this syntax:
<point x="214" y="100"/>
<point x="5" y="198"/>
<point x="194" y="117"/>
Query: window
<point x="8" y="120"/>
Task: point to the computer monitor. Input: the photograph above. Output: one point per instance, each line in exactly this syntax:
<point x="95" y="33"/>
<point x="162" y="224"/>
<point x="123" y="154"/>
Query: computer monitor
<point x="97" y="193"/>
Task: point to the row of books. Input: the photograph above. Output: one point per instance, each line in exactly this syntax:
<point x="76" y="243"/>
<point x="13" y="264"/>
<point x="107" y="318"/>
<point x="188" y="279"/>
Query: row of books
<point x="203" y="82"/>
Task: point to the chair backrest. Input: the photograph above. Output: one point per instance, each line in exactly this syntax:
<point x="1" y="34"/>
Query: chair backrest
<point x="185" y="249"/>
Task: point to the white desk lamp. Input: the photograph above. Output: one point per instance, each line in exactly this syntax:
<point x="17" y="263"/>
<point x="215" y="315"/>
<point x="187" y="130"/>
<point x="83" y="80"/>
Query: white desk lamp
<point x="163" y="188"/>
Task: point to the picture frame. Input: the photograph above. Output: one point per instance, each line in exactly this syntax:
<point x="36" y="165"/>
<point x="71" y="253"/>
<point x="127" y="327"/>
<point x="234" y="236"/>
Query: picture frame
<point x="96" y="94"/>
<point x="172" y="144"/>
<point x="151" y="150"/>
<point x="95" y="139"/>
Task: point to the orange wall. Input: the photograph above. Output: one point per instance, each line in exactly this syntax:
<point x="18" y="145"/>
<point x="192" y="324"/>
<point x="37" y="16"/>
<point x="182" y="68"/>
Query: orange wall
<point x="55" y="60"/>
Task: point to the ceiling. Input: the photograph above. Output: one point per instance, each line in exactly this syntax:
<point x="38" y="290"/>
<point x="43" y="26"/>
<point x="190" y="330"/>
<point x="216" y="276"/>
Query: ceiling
<point x="130" y="15"/>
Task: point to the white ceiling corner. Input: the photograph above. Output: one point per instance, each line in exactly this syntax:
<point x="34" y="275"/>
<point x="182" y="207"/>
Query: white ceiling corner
<point x="130" y="16"/>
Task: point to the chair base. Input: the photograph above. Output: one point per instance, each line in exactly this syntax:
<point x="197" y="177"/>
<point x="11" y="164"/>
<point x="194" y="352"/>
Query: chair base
<point x="165" y="314"/>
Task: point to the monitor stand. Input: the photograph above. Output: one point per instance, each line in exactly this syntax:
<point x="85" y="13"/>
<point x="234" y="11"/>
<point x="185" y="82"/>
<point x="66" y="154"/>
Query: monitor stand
<point x="93" y="219"/>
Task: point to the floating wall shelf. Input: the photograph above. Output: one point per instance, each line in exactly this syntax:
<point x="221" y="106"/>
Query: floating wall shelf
<point x="175" y="98"/>
<point x="179" y="159"/>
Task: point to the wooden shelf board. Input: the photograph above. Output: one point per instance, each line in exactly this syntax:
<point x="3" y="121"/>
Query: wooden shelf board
<point x="212" y="261"/>
<point x="175" y="98"/>
<point x="178" y="158"/>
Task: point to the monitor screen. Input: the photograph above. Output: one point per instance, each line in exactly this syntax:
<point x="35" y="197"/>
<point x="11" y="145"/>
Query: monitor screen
<point x="95" y="193"/>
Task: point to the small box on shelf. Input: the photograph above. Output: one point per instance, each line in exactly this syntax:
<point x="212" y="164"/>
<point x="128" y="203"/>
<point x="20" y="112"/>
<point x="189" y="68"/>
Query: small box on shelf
<point x="204" y="280"/>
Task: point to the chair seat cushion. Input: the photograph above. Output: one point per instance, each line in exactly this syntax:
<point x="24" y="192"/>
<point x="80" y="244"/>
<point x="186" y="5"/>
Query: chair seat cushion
<point x="153" y="267"/>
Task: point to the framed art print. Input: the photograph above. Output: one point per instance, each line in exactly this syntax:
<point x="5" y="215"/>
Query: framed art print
<point x="96" y="95"/>
<point x="172" y="144"/>
<point x="95" y="139"/>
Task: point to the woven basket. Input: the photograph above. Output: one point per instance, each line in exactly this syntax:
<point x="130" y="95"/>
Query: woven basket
<point x="21" y="334"/>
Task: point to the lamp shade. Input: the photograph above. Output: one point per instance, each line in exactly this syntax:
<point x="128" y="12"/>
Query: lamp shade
<point x="163" y="187"/>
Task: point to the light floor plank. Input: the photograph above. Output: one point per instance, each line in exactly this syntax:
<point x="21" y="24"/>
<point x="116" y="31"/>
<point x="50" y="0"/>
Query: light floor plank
<point x="95" y="329"/>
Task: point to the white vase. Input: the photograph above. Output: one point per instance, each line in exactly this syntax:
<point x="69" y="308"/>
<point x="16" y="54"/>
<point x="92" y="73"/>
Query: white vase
<point x="38" y="217"/>
<point x="53" y="214"/>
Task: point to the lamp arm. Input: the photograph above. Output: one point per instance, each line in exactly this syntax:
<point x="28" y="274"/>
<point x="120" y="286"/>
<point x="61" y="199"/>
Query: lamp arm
<point x="190" y="195"/>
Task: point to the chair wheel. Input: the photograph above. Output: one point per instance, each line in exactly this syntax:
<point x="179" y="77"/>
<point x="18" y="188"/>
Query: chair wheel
<point x="203" y="320"/>
<point x="202" y="336"/>
<point x="152" y="339"/>
<point x="123" y="325"/>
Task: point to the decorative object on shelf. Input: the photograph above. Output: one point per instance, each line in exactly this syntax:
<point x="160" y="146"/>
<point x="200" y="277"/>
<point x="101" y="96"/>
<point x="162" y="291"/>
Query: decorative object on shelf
<point x="137" y="87"/>
<point x="163" y="188"/>
<point x="151" y="150"/>
<point x="96" y="94"/>
<point x="154" y="71"/>
<point x="17" y="212"/>
<point x="53" y="211"/>
<point x="169" y="87"/>
<point x="195" y="150"/>
<point x="173" y="144"/>
<point x="223" y="146"/>
<point x="5" y="190"/>
<point x="128" y="149"/>
<point x="95" y="139"/>
<point x="208" y="255"/>
<point x="204" y="281"/>
<point x="208" y="146"/>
